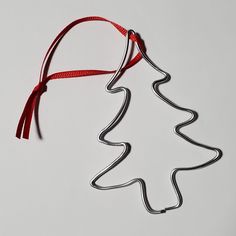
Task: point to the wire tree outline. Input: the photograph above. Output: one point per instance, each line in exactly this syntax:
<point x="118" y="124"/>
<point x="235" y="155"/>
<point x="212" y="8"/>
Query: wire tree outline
<point x="127" y="147"/>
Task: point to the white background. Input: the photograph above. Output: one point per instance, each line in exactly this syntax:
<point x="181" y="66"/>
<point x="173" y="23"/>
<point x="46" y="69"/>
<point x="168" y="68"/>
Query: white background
<point x="44" y="185"/>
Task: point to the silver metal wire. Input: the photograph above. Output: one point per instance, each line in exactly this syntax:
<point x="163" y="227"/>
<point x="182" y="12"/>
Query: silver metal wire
<point x="127" y="147"/>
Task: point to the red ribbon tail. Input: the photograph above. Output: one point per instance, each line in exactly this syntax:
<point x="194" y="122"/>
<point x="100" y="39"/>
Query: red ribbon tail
<point x="26" y="117"/>
<point x="20" y="124"/>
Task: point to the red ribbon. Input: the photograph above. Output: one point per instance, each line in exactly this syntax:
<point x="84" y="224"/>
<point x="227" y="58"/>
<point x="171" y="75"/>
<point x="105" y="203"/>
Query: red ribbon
<point x="32" y="103"/>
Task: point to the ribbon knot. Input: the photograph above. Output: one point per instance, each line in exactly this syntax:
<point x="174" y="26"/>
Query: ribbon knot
<point x="26" y="116"/>
<point x="40" y="88"/>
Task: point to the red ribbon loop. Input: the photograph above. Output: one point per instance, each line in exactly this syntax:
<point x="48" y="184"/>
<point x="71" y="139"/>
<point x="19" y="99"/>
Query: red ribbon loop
<point x="32" y="103"/>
